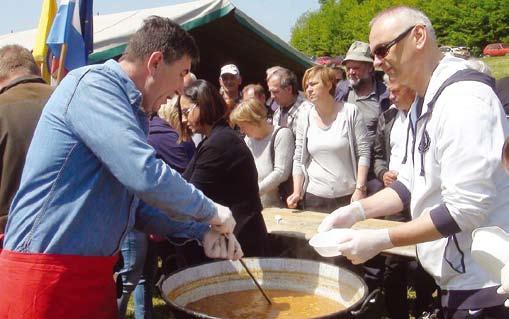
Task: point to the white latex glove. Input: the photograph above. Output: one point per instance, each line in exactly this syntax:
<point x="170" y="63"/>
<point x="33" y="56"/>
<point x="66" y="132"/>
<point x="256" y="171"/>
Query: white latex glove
<point x="343" y="217"/>
<point x="234" y="249"/>
<point x="223" y="222"/>
<point x="504" y="279"/>
<point x="361" y="245"/>
<point x="217" y="245"/>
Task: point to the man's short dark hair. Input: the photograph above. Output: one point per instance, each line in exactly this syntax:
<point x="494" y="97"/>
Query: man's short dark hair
<point x="287" y="79"/>
<point x="15" y="59"/>
<point x="164" y="35"/>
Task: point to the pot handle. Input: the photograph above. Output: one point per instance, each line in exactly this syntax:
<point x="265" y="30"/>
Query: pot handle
<point x="364" y="306"/>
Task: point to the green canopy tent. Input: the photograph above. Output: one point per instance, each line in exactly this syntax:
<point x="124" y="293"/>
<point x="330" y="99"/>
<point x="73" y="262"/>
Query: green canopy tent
<point x="224" y="35"/>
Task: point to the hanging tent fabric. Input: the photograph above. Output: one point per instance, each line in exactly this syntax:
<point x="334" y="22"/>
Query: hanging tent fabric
<point x="224" y="35"/>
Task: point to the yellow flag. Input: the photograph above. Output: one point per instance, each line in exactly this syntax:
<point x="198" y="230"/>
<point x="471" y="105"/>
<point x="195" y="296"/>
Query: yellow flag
<point x="49" y="9"/>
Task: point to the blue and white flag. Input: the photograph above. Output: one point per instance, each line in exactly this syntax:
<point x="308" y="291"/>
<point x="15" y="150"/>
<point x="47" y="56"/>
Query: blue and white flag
<point x="73" y="26"/>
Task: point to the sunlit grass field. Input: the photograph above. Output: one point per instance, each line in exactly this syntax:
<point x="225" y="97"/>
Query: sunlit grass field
<point x="499" y="66"/>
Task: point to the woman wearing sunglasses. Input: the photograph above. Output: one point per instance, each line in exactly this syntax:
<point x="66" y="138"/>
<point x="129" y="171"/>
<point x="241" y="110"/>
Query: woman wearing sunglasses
<point x="222" y="168"/>
<point x="332" y="150"/>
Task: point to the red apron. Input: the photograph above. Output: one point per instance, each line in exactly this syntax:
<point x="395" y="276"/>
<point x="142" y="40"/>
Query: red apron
<point x="44" y="286"/>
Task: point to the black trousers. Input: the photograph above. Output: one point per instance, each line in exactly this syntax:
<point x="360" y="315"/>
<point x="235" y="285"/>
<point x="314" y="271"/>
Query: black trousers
<point x="324" y="205"/>
<point x="394" y="274"/>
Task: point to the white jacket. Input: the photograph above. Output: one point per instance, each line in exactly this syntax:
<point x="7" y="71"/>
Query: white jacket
<point x="462" y="181"/>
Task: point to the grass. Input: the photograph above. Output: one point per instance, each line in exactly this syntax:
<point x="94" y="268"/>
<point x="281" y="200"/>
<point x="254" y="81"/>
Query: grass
<point x="499" y="66"/>
<point x="161" y="310"/>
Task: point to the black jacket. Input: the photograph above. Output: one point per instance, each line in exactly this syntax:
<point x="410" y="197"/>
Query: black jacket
<point x="503" y="93"/>
<point x="224" y="170"/>
<point x="382" y="145"/>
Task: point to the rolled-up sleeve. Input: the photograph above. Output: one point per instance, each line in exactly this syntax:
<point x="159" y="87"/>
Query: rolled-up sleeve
<point x="469" y="140"/>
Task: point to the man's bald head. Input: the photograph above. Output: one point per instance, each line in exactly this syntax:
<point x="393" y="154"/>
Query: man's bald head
<point x="404" y="46"/>
<point x="405" y="17"/>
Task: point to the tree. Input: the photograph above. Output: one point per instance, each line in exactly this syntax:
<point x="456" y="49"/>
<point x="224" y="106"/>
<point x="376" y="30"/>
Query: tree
<point x="331" y="29"/>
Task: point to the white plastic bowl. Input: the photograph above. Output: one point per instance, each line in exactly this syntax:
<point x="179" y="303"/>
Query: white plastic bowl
<point x="490" y="249"/>
<point x="326" y="243"/>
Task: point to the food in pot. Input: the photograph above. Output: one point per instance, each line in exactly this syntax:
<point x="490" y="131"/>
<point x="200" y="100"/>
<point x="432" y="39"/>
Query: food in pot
<point x="251" y="304"/>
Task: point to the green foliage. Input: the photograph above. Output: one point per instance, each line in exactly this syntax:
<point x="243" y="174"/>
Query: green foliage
<point x="331" y="29"/>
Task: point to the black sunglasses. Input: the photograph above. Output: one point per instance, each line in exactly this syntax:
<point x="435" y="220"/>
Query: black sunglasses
<point x="382" y="50"/>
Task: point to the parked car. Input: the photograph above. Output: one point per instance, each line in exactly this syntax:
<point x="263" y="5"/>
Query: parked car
<point x="329" y="61"/>
<point x="496" y="49"/>
<point x="461" y="52"/>
<point x="445" y="49"/>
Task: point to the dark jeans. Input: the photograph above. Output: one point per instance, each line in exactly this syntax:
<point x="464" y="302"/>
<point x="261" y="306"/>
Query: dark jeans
<point x="324" y="205"/>
<point x="135" y="275"/>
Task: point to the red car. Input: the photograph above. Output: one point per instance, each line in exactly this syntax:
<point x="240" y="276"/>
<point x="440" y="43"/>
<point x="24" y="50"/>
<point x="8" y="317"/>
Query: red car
<point x="496" y="49"/>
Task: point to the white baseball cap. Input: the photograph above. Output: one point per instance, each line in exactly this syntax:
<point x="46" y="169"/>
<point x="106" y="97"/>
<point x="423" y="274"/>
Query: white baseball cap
<point x="230" y="69"/>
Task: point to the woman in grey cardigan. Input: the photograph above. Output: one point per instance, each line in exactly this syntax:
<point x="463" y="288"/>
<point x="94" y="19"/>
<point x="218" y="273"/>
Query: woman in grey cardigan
<point x="332" y="151"/>
<point x="272" y="149"/>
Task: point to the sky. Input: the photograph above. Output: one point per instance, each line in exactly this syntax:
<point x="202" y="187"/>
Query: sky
<point x="277" y="16"/>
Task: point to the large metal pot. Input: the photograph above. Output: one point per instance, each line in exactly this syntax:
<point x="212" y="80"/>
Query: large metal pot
<point x="297" y="275"/>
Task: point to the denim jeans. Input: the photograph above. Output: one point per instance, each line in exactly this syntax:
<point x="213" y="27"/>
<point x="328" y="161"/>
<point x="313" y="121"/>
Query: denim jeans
<point x="134" y="251"/>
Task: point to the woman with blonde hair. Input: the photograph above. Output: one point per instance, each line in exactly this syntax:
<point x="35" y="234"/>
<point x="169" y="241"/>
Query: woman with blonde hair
<point x="332" y="152"/>
<point x="272" y="149"/>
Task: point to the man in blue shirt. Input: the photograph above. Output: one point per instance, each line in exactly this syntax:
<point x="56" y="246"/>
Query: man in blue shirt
<point x="87" y="168"/>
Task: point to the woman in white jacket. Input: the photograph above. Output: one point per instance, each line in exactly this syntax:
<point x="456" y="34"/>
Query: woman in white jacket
<point x="332" y="152"/>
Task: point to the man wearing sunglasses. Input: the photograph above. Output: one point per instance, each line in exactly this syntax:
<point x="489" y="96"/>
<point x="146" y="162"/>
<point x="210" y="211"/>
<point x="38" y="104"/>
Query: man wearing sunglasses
<point x="369" y="94"/>
<point x="452" y="179"/>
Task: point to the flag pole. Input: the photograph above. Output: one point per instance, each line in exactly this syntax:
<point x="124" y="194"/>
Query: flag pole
<point x="42" y="66"/>
<point x="63" y="53"/>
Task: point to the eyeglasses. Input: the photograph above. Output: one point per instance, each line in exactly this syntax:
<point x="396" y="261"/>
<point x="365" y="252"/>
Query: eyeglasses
<point x="186" y="112"/>
<point x="382" y="50"/>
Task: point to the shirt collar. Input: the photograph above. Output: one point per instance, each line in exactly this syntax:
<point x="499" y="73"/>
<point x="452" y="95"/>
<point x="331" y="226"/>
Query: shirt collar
<point x="21" y="80"/>
<point x="132" y="91"/>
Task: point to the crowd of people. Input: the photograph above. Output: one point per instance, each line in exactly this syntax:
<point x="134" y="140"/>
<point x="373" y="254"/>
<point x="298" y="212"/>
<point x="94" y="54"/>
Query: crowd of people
<point x="127" y="154"/>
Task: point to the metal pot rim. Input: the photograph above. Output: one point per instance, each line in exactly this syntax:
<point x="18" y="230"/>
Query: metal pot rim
<point x="347" y="310"/>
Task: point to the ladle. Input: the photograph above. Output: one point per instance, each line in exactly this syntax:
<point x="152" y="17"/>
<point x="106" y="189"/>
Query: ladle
<point x="255" y="281"/>
<point x="252" y="277"/>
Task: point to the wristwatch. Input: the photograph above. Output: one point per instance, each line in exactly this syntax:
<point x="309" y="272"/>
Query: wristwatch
<point x="362" y="188"/>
